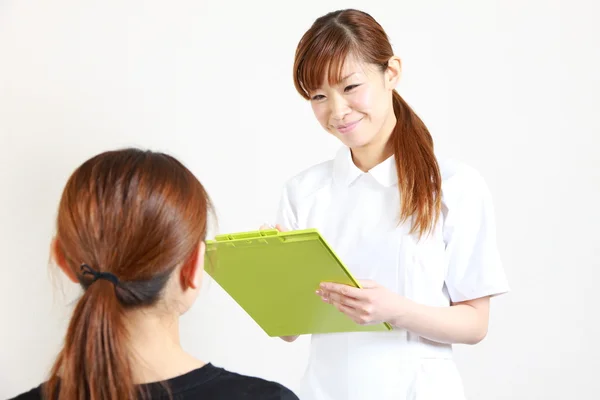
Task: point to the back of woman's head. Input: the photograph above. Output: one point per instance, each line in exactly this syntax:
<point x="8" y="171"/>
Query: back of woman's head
<point x="321" y="53"/>
<point x="134" y="216"/>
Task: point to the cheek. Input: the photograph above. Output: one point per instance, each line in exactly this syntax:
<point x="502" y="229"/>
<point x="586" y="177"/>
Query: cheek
<point x="321" y="114"/>
<point x="370" y="102"/>
<point x="362" y="101"/>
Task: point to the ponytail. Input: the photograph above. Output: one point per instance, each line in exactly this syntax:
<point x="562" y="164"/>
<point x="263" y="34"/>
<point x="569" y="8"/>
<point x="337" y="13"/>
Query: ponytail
<point x="94" y="362"/>
<point x="419" y="178"/>
<point x="134" y="216"/>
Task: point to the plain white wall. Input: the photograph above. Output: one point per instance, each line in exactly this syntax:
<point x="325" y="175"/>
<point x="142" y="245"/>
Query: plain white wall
<point x="507" y="86"/>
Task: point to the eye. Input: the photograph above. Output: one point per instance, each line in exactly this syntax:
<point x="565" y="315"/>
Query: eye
<point x="317" y="97"/>
<point x="350" y="88"/>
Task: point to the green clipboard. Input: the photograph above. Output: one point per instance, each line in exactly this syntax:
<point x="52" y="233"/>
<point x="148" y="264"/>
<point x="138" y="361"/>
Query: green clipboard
<point x="273" y="276"/>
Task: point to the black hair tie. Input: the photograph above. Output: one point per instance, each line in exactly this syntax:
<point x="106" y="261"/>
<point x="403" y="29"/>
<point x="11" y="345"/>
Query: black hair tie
<point x="87" y="270"/>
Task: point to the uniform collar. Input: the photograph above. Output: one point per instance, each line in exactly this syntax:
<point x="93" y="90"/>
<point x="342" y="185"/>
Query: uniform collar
<point x="345" y="172"/>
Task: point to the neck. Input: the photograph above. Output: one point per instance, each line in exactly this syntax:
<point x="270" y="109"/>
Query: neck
<point x="379" y="149"/>
<point x="155" y="346"/>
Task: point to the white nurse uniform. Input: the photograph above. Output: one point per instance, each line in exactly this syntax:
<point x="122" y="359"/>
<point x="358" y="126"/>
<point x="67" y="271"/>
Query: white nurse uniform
<point x="357" y="213"/>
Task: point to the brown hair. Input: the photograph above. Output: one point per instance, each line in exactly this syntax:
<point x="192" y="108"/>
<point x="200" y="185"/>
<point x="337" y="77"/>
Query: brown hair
<point x="322" y="52"/>
<point x="135" y="214"/>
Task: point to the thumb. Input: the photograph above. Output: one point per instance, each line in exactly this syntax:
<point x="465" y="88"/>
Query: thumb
<point x="267" y="225"/>
<point x="280" y="228"/>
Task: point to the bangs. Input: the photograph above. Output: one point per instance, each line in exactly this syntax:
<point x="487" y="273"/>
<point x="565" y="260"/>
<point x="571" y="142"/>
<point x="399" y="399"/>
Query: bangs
<point x="323" y="57"/>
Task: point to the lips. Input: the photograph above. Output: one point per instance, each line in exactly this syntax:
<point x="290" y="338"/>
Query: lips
<point x="347" y="128"/>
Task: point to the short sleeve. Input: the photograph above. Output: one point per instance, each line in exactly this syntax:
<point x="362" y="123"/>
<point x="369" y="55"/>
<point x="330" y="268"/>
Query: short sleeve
<point x="286" y="212"/>
<point x="474" y="266"/>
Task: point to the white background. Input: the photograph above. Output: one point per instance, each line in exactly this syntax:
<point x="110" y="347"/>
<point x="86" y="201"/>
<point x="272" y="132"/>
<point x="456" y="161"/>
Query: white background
<point x="509" y="87"/>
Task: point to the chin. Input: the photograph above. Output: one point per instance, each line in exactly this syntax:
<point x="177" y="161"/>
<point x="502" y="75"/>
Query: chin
<point x="355" y="142"/>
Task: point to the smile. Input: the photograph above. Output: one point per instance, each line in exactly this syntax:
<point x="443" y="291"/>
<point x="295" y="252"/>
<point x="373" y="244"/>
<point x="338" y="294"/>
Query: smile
<point x="348" y="127"/>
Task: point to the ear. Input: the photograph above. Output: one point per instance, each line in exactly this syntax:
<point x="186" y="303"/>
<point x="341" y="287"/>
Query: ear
<point x="393" y="72"/>
<point x="59" y="258"/>
<point x="191" y="272"/>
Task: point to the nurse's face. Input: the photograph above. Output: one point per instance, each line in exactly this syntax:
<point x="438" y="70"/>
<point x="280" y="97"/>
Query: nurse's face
<point x="358" y="110"/>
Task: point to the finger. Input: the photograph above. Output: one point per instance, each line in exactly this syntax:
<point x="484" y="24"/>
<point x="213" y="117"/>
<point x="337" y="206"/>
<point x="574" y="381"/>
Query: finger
<point x="344" y="290"/>
<point x="322" y="295"/>
<point x="349" y="311"/>
<point x="353" y="314"/>
<point x="344" y="300"/>
<point x="360" y="319"/>
<point x="265" y="226"/>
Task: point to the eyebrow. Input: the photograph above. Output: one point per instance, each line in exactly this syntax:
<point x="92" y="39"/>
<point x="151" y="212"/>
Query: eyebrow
<point x="348" y="76"/>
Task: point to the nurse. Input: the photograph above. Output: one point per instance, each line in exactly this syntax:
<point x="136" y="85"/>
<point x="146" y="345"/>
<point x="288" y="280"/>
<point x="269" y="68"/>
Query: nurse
<point x="418" y="231"/>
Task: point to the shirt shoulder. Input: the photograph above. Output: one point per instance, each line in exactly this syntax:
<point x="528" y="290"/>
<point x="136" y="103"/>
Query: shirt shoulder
<point x="215" y="383"/>
<point x="209" y="383"/>
<point x="460" y="181"/>
<point x="310" y="180"/>
<point x="453" y="170"/>
<point x="238" y="386"/>
<point x="33" y="394"/>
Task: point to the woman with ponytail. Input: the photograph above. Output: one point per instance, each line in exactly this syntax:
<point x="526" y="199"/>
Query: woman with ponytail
<point x="130" y="230"/>
<point x="418" y="231"/>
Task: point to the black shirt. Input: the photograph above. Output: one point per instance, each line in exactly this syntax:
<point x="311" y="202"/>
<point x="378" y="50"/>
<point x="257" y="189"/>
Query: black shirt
<point x="206" y="383"/>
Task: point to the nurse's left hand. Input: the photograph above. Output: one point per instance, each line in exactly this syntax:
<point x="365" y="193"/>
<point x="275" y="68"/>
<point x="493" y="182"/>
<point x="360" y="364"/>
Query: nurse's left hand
<point x="371" y="304"/>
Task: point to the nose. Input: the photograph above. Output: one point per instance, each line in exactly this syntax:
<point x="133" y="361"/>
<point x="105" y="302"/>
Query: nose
<point x="339" y="107"/>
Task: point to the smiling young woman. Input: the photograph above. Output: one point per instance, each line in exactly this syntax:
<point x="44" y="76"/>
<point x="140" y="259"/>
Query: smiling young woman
<point x="419" y="231"/>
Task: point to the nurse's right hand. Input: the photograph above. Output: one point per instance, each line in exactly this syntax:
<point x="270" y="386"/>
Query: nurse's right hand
<point x="280" y="229"/>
